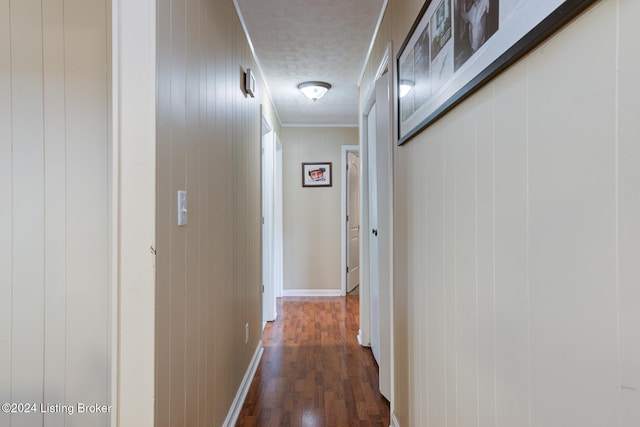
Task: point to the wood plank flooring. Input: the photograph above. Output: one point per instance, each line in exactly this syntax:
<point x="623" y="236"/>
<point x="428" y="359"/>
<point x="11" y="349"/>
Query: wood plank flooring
<point x="313" y="372"/>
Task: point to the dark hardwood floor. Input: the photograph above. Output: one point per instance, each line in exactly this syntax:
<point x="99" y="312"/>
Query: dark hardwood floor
<point x="313" y="372"/>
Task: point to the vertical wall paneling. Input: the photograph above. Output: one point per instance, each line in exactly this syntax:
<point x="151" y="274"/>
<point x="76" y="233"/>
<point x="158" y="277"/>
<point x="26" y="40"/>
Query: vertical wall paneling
<point x="208" y="271"/>
<point x="418" y="296"/>
<point x="55" y="369"/>
<point x="416" y="344"/>
<point x="628" y="176"/>
<point x="240" y="207"/>
<point x="203" y="203"/>
<point x="28" y="205"/>
<point x="222" y="231"/>
<point x="450" y="285"/>
<point x="522" y="228"/>
<point x="193" y="232"/>
<point x="55" y="337"/>
<point x="203" y="114"/>
<point x="87" y="189"/>
<point x="435" y="313"/>
<point x="215" y="233"/>
<point x="463" y="151"/>
<point x="510" y="259"/>
<point x="178" y="145"/>
<point x="572" y="246"/>
<point x="6" y="208"/>
<point x="401" y="250"/>
<point x="485" y="260"/>
<point x="235" y="199"/>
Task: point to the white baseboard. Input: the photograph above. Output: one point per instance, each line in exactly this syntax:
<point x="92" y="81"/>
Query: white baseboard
<point x="236" y="406"/>
<point x="313" y="293"/>
<point x="394" y="421"/>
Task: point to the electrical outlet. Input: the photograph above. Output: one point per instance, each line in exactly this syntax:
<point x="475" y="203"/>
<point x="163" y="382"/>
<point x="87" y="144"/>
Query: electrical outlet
<point x="246" y="333"/>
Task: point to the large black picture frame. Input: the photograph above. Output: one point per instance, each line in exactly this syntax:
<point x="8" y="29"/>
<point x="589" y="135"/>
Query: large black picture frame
<point x="456" y="46"/>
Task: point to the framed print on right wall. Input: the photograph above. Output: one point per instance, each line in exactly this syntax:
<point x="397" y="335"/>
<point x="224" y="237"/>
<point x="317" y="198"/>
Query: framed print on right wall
<point x="456" y="46"/>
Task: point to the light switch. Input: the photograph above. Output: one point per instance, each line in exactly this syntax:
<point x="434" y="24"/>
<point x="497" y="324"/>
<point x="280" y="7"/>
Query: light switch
<point x="182" y="207"/>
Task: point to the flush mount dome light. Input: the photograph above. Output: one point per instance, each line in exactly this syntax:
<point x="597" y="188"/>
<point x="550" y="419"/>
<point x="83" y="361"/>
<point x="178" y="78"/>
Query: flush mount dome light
<point x="314" y="90"/>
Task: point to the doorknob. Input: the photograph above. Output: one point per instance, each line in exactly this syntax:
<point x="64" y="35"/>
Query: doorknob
<point x="374" y="232"/>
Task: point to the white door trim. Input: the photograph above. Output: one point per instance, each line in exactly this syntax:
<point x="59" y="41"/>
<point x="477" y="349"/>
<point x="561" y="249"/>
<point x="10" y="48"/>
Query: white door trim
<point x="388" y="63"/>
<point x="364" y="334"/>
<point x="278" y="211"/>
<point x="132" y="205"/>
<point x="343" y="214"/>
<point x="267" y="177"/>
<point x="390" y="147"/>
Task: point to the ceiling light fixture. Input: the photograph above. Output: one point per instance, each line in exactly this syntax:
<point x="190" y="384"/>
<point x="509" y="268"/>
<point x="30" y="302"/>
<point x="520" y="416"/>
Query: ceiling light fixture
<point x="314" y="90"/>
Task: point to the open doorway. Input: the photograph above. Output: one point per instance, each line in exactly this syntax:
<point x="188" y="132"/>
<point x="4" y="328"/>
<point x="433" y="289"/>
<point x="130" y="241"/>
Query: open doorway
<point x="271" y="164"/>
<point x="350" y="219"/>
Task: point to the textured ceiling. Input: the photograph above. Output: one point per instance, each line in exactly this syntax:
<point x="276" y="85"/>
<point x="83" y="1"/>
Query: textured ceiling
<point x="301" y="40"/>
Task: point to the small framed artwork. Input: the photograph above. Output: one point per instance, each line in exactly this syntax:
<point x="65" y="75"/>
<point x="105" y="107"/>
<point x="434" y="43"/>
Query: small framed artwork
<point x="317" y="174"/>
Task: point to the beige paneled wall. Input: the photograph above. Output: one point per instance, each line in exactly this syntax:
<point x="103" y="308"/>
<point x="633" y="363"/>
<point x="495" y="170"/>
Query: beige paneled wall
<point x="517" y="237"/>
<point x="208" y="272"/>
<point x="312" y="215"/>
<point x="54" y="151"/>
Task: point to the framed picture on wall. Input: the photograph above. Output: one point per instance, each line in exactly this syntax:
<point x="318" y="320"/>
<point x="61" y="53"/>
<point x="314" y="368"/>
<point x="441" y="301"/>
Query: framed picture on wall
<point x="316" y="174"/>
<point x="456" y="46"/>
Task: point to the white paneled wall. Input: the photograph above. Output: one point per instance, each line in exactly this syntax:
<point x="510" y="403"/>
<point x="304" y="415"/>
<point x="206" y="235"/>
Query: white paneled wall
<point x="628" y="212"/>
<point x="520" y="212"/>
<point x="54" y="305"/>
<point x="6" y="210"/>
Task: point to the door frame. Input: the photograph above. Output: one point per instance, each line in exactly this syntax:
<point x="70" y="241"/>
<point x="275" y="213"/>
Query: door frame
<point x="132" y="210"/>
<point x="364" y="336"/>
<point x="346" y="149"/>
<point x="267" y="203"/>
<point x="278" y="225"/>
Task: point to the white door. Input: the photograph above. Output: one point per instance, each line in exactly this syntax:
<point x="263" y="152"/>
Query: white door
<point x="353" y="221"/>
<point x="383" y="228"/>
<point x="374" y="291"/>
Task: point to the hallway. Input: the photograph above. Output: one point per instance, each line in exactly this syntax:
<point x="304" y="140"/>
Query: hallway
<point x="313" y="372"/>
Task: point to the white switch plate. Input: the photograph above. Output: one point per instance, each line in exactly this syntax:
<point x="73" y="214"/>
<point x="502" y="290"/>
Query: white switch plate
<point x="182" y="207"/>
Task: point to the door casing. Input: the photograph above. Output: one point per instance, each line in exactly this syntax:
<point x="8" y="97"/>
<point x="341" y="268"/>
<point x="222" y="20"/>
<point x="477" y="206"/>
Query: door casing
<point x="346" y="149"/>
<point x="268" y="175"/>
